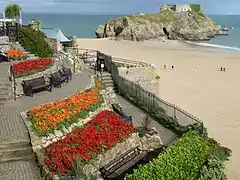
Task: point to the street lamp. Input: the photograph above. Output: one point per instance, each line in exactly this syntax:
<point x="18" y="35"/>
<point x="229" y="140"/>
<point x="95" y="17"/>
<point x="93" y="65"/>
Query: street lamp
<point x="102" y="67"/>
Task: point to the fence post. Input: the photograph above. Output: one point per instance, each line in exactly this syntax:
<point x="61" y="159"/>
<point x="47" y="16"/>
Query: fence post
<point x="202" y="127"/>
<point x="14" y="85"/>
<point x="175" y="117"/>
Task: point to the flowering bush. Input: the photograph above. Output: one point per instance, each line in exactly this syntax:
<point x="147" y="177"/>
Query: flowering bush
<point x="48" y="117"/>
<point x="30" y="66"/>
<point x="100" y="134"/>
<point x="15" y="54"/>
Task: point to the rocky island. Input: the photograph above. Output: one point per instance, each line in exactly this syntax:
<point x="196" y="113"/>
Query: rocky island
<point x="175" y="22"/>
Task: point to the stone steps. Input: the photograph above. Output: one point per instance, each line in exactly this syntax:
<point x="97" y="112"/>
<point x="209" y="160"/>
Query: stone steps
<point x="5" y="89"/>
<point x="29" y="55"/>
<point x="107" y="80"/>
<point x="15" y="151"/>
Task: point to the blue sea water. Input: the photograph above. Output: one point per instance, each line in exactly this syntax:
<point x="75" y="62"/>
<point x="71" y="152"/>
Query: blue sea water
<point x="79" y="25"/>
<point x="84" y="26"/>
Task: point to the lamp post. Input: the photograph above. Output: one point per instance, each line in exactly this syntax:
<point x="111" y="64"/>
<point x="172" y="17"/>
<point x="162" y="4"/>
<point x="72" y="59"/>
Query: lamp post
<point x="102" y="66"/>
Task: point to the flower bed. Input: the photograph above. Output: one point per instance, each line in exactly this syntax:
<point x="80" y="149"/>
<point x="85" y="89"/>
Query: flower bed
<point x="56" y="115"/>
<point x="15" y="54"/>
<point x="28" y="67"/>
<point x="101" y="133"/>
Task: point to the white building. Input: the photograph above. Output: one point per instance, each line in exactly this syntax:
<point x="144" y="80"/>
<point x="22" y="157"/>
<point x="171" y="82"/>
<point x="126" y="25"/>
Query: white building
<point x="176" y="7"/>
<point x="4" y="21"/>
<point x="182" y="8"/>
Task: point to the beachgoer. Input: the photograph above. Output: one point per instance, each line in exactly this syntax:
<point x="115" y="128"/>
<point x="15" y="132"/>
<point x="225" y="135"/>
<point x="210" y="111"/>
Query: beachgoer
<point x="224" y="69"/>
<point x="172" y="67"/>
<point x="165" y="66"/>
<point x="221" y="69"/>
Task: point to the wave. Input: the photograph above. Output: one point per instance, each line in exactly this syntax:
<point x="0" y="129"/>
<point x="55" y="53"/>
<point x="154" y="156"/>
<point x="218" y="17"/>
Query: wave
<point x="213" y="45"/>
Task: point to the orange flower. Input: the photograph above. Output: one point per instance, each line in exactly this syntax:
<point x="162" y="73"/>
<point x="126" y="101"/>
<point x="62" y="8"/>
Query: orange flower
<point x="47" y="117"/>
<point x="15" y="53"/>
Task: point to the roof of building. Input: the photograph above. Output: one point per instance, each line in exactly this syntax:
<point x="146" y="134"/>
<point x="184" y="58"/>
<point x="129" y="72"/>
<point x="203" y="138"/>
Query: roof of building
<point x="55" y="34"/>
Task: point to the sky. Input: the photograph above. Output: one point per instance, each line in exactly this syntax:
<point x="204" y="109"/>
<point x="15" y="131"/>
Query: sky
<point x="118" y="6"/>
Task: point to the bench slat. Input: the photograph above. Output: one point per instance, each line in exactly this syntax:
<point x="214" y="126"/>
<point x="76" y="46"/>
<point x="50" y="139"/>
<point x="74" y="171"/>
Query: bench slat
<point x="118" y="158"/>
<point x="123" y="162"/>
<point x="127" y="165"/>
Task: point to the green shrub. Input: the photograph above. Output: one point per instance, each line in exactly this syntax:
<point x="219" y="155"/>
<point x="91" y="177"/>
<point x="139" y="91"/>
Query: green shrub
<point x="214" y="166"/>
<point x="34" y="42"/>
<point x="184" y="160"/>
<point x="195" y="7"/>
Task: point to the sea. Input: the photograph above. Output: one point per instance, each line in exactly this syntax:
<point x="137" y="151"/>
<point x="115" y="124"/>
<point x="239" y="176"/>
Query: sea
<point x="84" y="26"/>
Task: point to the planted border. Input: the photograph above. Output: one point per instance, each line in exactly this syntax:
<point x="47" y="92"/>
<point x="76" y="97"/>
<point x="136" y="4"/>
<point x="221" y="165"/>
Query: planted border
<point x="56" y="115"/>
<point x="97" y="136"/>
<point x="29" y="67"/>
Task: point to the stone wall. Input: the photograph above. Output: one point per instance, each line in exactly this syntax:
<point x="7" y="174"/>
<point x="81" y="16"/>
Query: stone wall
<point x="67" y="60"/>
<point x="61" y="59"/>
<point x="52" y="43"/>
<point x="145" y="76"/>
<point x="46" y="73"/>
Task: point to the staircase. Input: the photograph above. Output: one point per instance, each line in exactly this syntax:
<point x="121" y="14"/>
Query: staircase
<point x="20" y="48"/>
<point x="107" y="80"/>
<point x="15" y="151"/>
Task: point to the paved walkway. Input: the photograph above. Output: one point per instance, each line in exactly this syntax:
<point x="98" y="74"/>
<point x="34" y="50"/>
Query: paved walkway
<point x="166" y="135"/>
<point x="12" y="127"/>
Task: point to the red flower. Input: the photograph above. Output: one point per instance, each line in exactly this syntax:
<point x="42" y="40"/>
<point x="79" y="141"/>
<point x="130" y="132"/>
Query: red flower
<point x="30" y="65"/>
<point x="100" y="134"/>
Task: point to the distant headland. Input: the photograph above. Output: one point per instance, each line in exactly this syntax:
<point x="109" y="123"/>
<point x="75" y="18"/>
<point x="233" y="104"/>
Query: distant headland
<point x="174" y="21"/>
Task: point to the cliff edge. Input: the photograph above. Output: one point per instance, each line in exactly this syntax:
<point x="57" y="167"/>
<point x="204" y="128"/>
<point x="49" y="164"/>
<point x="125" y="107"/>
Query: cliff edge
<point x="168" y="24"/>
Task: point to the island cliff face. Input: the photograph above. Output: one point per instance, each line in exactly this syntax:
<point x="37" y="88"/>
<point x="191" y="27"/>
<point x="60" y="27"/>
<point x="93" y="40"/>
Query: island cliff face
<point x="168" y="24"/>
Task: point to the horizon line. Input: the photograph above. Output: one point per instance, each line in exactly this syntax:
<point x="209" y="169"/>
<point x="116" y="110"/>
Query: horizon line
<point x="111" y="13"/>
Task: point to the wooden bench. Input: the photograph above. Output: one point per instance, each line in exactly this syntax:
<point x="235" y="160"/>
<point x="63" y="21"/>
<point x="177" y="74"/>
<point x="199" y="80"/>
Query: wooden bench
<point x="58" y="78"/>
<point x="119" y="165"/>
<point x="67" y="72"/>
<point x="33" y="85"/>
<point x="119" y="111"/>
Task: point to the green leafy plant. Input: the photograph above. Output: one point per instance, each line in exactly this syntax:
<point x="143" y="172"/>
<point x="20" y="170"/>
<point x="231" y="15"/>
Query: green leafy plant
<point x="34" y="42"/>
<point x="214" y="166"/>
<point x="76" y="169"/>
<point x="184" y="160"/>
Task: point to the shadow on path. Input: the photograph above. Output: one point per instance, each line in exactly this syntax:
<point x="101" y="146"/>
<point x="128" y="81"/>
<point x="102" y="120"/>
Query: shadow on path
<point x="138" y="114"/>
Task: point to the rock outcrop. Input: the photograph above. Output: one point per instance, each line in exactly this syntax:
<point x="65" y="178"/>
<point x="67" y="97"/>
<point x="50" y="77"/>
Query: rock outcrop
<point x="168" y="24"/>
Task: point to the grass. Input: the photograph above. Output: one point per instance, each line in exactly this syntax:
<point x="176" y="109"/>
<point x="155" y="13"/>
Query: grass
<point x="165" y="16"/>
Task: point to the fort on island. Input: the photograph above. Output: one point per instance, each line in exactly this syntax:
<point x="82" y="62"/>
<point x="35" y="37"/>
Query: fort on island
<point x="176" y="7"/>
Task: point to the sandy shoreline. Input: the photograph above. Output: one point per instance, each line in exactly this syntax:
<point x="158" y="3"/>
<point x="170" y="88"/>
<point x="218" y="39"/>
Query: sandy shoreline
<point x="195" y="84"/>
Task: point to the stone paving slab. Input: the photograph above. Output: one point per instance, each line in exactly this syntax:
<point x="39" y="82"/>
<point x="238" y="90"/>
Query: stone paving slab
<point x="21" y="170"/>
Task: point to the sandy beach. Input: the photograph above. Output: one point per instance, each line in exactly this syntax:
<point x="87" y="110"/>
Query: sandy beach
<point x="195" y="84"/>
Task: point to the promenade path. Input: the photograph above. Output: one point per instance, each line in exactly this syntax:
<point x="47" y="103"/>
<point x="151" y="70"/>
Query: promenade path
<point x="12" y="127"/>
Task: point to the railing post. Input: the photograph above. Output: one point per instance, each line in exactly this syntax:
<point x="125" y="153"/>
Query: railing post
<point x="202" y="127"/>
<point x="14" y="84"/>
<point x="175" y="117"/>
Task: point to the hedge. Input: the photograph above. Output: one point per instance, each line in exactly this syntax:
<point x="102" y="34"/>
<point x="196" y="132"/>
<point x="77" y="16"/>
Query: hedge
<point x="214" y="167"/>
<point x="192" y="157"/>
<point x="183" y="161"/>
<point x="34" y="42"/>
